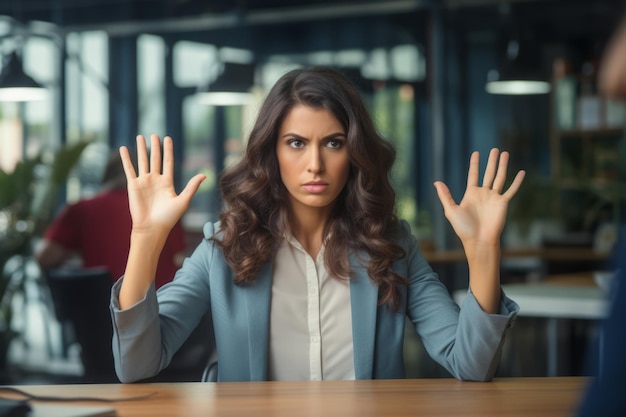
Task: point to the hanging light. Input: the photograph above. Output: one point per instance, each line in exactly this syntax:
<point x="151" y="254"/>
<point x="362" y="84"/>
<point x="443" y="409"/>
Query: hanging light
<point x="16" y="85"/>
<point x="516" y="76"/>
<point x="230" y="88"/>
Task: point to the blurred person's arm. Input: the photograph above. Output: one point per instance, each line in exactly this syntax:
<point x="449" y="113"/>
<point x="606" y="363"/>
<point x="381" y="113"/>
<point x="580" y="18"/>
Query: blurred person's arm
<point x="612" y="76"/>
<point x="61" y="239"/>
<point x="50" y="254"/>
<point x="605" y="394"/>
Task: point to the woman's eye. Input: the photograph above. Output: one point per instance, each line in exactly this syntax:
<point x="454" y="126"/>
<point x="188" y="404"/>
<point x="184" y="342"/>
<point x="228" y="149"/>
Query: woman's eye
<point x="335" y="143"/>
<point x="295" y="143"/>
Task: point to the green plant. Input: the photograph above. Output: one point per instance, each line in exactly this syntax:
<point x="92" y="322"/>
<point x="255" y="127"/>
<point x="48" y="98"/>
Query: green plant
<point x="28" y="196"/>
<point x="534" y="201"/>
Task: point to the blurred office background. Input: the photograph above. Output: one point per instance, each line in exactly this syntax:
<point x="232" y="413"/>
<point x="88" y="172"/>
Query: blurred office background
<point x="112" y="69"/>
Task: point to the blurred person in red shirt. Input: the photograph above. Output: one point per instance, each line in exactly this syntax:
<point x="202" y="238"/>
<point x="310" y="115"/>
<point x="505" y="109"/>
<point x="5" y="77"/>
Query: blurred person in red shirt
<point x="97" y="230"/>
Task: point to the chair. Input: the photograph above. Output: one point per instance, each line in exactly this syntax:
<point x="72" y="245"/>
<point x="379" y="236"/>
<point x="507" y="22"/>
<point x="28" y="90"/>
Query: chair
<point x="210" y="371"/>
<point x="81" y="300"/>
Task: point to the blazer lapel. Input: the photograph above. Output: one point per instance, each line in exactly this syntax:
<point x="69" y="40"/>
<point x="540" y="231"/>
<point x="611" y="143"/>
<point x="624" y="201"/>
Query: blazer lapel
<point x="364" y="306"/>
<point x="364" y="303"/>
<point x="258" y="297"/>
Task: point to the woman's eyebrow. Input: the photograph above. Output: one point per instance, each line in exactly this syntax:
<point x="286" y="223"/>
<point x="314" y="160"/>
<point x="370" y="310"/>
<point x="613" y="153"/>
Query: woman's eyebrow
<point x="300" y="137"/>
<point x="334" y="135"/>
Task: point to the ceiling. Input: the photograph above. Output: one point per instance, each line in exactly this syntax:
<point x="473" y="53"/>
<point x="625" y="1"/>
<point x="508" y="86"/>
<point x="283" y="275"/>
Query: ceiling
<point x="76" y="14"/>
<point x="92" y="12"/>
<point x="264" y="23"/>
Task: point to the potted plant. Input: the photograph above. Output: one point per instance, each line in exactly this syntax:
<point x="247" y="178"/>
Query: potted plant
<point x="28" y="196"/>
<point x="532" y="214"/>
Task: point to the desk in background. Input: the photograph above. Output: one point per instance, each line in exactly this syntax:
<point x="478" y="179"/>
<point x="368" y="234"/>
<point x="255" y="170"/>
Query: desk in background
<point x="570" y="296"/>
<point x="525" y="264"/>
<point x="511" y="397"/>
<point x="545" y="254"/>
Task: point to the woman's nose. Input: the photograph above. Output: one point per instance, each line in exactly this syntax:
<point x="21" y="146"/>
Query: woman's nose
<point x="316" y="162"/>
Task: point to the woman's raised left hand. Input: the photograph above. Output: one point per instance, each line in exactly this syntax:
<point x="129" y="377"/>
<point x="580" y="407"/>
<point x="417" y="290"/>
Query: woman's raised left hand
<point x="480" y="216"/>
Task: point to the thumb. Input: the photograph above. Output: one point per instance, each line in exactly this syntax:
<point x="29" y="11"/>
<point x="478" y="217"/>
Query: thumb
<point x="192" y="186"/>
<point x="445" y="197"/>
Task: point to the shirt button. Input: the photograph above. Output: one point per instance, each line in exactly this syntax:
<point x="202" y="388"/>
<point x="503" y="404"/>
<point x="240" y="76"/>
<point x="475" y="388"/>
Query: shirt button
<point x="314" y="339"/>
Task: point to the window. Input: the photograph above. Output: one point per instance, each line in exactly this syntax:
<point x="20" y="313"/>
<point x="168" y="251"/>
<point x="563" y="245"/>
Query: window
<point x="213" y="135"/>
<point x="87" y="109"/>
<point x="151" y="84"/>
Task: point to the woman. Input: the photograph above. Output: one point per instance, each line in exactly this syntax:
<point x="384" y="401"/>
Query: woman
<point x="308" y="274"/>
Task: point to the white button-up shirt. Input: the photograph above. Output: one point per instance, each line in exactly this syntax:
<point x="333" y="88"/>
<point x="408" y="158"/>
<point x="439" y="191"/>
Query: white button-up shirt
<point x="310" y="318"/>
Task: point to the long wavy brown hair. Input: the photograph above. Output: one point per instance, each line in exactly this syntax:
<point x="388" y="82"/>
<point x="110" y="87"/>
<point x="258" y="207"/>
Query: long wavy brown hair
<point x="363" y="218"/>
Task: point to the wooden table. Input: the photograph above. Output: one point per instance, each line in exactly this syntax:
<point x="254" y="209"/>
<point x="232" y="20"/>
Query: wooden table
<point x="527" y="397"/>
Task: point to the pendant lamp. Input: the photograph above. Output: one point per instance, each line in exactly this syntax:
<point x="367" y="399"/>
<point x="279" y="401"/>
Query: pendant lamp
<point x="516" y="75"/>
<point x="16" y="85"/>
<point x="230" y="88"/>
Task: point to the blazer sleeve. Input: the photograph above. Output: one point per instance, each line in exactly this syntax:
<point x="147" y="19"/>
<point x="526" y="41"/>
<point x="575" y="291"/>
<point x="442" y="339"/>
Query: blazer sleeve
<point x="465" y="340"/>
<point x="146" y="336"/>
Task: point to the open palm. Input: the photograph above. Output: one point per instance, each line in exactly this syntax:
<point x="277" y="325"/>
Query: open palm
<point x="480" y="216"/>
<point x="154" y="204"/>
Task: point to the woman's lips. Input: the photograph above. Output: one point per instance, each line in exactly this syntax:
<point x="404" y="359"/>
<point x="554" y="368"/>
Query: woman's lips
<point x="315" y="187"/>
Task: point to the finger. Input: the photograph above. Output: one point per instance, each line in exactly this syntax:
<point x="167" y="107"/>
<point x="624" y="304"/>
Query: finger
<point x="127" y="163"/>
<point x="168" y="157"/>
<point x="490" y="171"/>
<point x="515" y="185"/>
<point x="192" y="186"/>
<point x="443" y="192"/>
<point x="472" y="175"/>
<point x="142" y="155"/>
<point x="155" y="154"/>
<point x="498" y="183"/>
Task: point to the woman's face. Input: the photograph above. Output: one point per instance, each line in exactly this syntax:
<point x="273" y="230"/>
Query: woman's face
<point x="312" y="157"/>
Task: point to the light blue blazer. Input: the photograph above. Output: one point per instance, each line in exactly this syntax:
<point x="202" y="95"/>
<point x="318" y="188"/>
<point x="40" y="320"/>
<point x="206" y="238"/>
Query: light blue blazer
<point x="466" y="341"/>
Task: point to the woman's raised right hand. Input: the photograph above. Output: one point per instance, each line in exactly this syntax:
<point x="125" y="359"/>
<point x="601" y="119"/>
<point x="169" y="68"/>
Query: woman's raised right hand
<point x="154" y="205"/>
